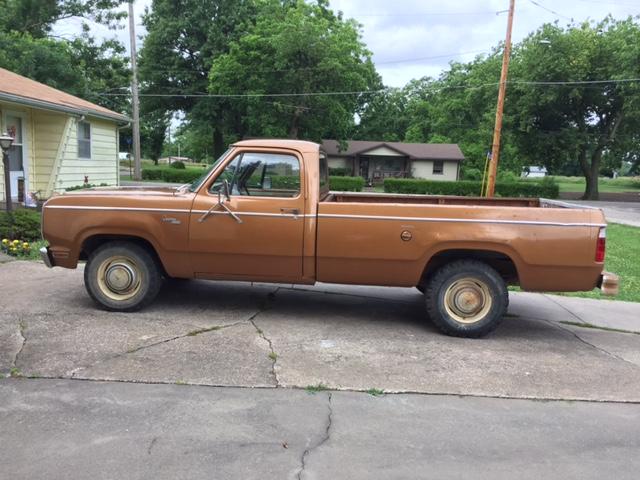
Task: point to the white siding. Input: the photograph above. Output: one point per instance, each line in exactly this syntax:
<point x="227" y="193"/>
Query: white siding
<point x="102" y="167"/>
<point x="383" y="151"/>
<point x="338" y="162"/>
<point x="424" y="169"/>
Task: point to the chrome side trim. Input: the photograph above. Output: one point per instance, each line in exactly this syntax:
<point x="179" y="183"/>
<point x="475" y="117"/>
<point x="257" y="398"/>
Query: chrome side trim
<point x="126" y="209"/>
<point x="340" y="216"/>
<point x="459" y="220"/>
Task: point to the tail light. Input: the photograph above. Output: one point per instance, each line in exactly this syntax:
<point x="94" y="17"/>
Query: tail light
<point x="601" y="245"/>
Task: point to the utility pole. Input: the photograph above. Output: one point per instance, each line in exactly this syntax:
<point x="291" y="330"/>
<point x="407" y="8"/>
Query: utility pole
<point x="495" y="148"/>
<point x="134" y="91"/>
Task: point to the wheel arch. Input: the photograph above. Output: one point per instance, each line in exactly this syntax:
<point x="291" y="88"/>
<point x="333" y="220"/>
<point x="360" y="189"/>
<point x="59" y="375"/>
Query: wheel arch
<point x="503" y="260"/>
<point x="92" y="242"/>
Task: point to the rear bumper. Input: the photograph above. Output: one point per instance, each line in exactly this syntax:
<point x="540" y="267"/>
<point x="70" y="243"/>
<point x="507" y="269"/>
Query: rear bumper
<point x="46" y="257"/>
<point x="609" y="283"/>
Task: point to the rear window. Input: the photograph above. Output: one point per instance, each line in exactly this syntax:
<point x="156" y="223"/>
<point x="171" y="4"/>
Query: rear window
<point x="324" y="173"/>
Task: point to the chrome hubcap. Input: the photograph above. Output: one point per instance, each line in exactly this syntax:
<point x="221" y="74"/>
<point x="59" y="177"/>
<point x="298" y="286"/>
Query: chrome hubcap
<point x="120" y="277"/>
<point x="467" y="300"/>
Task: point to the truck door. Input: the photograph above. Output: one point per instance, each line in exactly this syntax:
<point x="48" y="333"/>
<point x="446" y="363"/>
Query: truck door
<point x="252" y="227"/>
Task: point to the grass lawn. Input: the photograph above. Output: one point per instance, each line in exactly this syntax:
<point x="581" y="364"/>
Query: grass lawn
<point x="605" y="185"/>
<point x="623" y="259"/>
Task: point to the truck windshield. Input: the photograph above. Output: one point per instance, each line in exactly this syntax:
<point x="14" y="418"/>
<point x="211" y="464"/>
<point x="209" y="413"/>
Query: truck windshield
<point x="195" y="185"/>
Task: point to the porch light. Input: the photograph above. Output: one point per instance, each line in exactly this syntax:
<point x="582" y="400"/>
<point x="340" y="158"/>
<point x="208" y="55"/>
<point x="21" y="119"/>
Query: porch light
<point x="5" y="142"/>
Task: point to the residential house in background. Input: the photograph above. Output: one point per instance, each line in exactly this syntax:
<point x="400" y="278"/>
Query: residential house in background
<point x="533" y="171"/>
<point x="59" y="139"/>
<point x="376" y="161"/>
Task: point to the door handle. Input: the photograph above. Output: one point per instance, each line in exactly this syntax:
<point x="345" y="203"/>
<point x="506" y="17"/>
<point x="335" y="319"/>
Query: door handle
<point x="290" y="211"/>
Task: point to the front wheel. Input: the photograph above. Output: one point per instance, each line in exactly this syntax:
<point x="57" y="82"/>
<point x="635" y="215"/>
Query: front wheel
<point x="122" y="276"/>
<point x="466" y="298"/>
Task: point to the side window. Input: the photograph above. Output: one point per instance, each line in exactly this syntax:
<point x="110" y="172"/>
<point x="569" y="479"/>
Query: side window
<point x="262" y="175"/>
<point x="438" y="167"/>
<point x="84" y="140"/>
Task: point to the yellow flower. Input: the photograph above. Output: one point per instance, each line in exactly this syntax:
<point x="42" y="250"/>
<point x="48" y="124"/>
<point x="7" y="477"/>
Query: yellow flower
<point x="16" y="242"/>
<point x="5" y="241"/>
<point x="25" y="245"/>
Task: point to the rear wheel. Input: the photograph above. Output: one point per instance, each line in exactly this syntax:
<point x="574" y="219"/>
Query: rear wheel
<point x="466" y="298"/>
<point x="122" y="276"/>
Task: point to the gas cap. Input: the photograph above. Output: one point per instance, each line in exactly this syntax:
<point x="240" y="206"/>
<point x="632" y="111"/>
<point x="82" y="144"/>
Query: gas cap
<point x="406" y="235"/>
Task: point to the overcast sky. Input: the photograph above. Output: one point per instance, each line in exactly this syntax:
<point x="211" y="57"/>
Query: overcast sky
<point x="406" y="35"/>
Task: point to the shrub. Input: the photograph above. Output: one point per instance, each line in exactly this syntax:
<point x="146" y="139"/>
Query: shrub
<point x="339" y="172"/>
<point x="22" y="224"/>
<point x="346" y="184"/>
<point x="171" y="175"/>
<point x="85" y="185"/>
<point x="177" y="165"/>
<point x="548" y="189"/>
<point x="471" y="174"/>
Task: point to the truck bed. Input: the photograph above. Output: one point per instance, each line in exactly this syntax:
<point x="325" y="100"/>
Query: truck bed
<point x="350" y="197"/>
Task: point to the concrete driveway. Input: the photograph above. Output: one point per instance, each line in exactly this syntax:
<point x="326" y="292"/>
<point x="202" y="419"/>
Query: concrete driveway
<point x="262" y="346"/>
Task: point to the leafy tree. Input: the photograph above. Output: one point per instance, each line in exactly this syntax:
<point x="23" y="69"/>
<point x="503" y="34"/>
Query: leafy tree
<point x="37" y="17"/>
<point x="581" y="123"/>
<point x="80" y="66"/>
<point x="384" y="116"/>
<point x="293" y="49"/>
<point x="184" y="37"/>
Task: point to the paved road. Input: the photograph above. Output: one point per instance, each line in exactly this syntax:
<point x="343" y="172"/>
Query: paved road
<point x="55" y="429"/>
<point x="627" y="213"/>
<point x="224" y="367"/>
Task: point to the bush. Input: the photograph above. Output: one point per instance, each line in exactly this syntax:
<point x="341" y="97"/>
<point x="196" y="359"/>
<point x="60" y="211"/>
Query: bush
<point x="339" y="172"/>
<point x="471" y="173"/>
<point x="171" y="175"/>
<point x="346" y="184"/>
<point x="21" y="224"/>
<point x="177" y="165"/>
<point x="471" y="188"/>
<point x="85" y="185"/>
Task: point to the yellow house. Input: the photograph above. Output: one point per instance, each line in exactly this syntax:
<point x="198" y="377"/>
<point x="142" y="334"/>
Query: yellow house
<point x="59" y="140"/>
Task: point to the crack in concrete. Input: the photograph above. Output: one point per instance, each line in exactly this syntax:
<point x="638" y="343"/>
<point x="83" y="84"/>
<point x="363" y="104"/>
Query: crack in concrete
<point x="578" y="337"/>
<point x="273" y="354"/>
<point x="21" y="331"/>
<point x="151" y="445"/>
<point x="323" y="440"/>
<point x="192" y="333"/>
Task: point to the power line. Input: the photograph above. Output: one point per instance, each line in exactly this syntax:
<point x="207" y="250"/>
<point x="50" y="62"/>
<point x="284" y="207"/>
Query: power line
<point x="366" y="92"/>
<point x="550" y="11"/>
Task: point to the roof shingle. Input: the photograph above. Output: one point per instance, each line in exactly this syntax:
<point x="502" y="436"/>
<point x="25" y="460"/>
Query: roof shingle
<point x="415" y="151"/>
<point x="19" y="89"/>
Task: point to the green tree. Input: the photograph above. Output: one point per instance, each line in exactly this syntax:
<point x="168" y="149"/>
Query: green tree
<point x="294" y="49"/>
<point x="384" y="116"/>
<point x="580" y="123"/>
<point x="81" y="66"/>
<point x="183" y="39"/>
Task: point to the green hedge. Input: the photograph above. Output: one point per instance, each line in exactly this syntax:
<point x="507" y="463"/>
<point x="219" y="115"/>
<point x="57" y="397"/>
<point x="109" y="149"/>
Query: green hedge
<point x="471" y="188"/>
<point x="171" y="175"/>
<point x="339" y="172"/>
<point x="26" y="225"/>
<point x="178" y="165"/>
<point x="346" y="184"/>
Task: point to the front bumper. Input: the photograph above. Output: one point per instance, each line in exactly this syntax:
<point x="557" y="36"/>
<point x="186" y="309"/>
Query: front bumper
<point x="609" y="283"/>
<point x="46" y="258"/>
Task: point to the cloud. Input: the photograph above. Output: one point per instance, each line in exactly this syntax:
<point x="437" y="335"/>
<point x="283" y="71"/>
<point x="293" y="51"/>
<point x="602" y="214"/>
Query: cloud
<point x="419" y="30"/>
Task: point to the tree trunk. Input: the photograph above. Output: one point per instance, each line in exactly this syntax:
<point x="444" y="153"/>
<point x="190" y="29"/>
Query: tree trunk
<point x="295" y="123"/>
<point x="218" y="143"/>
<point x="592" y="172"/>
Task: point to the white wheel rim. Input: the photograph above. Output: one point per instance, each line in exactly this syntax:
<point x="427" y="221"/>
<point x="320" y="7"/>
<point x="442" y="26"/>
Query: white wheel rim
<point x="119" y="278"/>
<point x="468" y="300"/>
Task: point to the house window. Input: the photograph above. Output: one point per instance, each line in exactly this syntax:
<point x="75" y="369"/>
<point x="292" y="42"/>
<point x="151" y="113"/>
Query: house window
<point x="438" y="167"/>
<point x="84" y="140"/>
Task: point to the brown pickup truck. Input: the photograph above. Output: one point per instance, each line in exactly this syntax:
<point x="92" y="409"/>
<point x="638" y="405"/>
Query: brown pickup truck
<point x="264" y="212"/>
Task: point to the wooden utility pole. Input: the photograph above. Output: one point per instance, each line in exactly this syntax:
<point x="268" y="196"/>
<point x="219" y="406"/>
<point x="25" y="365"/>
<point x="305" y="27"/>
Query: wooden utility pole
<point x="495" y="148"/>
<point x="137" y="175"/>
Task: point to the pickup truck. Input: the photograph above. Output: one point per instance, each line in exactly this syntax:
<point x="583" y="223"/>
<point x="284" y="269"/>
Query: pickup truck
<point x="264" y="212"/>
